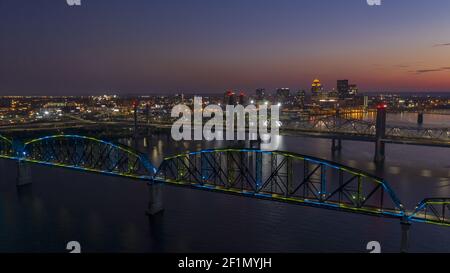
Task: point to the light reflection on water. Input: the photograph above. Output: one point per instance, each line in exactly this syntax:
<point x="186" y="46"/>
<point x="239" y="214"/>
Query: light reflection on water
<point x="410" y="119"/>
<point x="107" y="213"/>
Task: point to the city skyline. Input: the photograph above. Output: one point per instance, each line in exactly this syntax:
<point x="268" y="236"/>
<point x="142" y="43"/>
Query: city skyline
<point x="50" y="48"/>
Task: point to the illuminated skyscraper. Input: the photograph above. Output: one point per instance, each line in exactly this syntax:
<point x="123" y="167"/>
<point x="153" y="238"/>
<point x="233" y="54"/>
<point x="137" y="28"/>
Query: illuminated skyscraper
<point x="316" y="88"/>
<point x="242" y="98"/>
<point x="283" y="94"/>
<point x="300" y="98"/>
<point x="229" y="98"/>
<point x="353" y="90"/>
<point x="346" y="90"/>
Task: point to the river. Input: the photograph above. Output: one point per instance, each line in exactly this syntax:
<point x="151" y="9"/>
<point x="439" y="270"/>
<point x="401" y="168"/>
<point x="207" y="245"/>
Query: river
<point x="107" y="214"/>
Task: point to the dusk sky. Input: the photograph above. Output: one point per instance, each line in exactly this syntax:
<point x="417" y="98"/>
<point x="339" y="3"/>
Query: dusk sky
<point x="169" y="46"/>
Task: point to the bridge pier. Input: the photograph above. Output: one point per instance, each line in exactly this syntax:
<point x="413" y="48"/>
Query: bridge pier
<point x="379" y="151"/>
<point x="405" y="225"/>
<point x="23" y="174"/>
<point x="420" y="118"/>
<point x="135" y="127"/>
<point x="380" y="134"/>
<point x="336" y="145"/>
<point x="155" y="205"/>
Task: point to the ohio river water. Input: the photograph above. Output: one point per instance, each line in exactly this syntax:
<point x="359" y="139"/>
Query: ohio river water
<point x="107" y="214"/>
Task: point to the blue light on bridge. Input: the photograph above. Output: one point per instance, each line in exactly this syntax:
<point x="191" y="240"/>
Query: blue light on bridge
<point x="254" y="190"/>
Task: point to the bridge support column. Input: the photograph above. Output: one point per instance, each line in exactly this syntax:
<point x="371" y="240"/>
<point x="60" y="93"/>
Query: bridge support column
<point x="23" y="174"/>
<point x="135" y="127"/>
<point x="420" y="118"/>
<point x="155" y="204"/>
<point x="336" y="145"/>
<point x="380" y="134"/>
<point x="379" y="151"/>
<point x="405" y="225"/>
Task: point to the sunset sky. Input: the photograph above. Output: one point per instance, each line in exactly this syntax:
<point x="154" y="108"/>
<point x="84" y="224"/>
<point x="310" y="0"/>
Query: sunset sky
<point x="167" y="46"/>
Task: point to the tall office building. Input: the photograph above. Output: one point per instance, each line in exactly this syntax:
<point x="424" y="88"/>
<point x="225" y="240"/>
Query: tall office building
<point x="343" y="89"/>
<point x="316" y="88"/>
<point x="333" y="94"/>
<point x="229" y="98"/>
<point x="300" y="98"/>
<point x="353" y="90"/>
<point x="260" y="93"/>
<point x="242" y="98"/>
<point x="283" y="94"/>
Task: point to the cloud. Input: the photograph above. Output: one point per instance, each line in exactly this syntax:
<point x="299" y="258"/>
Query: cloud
<point x="422" y="71"/>
<point x="441" y="45"/>
<point x="402" y="66"/>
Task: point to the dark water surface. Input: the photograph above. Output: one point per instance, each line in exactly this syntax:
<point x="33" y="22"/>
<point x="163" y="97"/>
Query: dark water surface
<point x="107" y="214"/>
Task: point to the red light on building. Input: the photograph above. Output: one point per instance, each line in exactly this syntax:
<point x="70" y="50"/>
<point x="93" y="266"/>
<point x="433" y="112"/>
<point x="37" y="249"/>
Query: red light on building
<point x="382" y="106"/>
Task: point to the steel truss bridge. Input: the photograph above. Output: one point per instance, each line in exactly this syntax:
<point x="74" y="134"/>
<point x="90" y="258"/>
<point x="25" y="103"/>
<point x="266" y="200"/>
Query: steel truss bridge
<point x="271" y="175"/>
<point x="333" y="127"/>
<point x="79" y="152"/>
<point x="356" y="129"/>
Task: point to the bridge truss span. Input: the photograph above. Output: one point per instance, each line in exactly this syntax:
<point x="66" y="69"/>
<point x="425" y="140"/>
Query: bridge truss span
<point x="432" y="210"/>
<point x="272" y="175"/>
<point x="6" y="147"/>
<point x="341" y="127"/>
<point x="332" y="124"/>
<point x="89" y="154"/>
<point x="283" y="176"/>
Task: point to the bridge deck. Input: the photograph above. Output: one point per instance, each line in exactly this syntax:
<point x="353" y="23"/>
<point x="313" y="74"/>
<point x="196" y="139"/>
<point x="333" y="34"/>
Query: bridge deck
<point x="271" y="175"/>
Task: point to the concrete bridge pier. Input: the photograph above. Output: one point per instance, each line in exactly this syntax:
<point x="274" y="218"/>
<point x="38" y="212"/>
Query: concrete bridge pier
<point x="336" y="145"/>
<point x="405" y="225"/>
<point x="155" y="205"/>
<point x="135" y="125"/>
<point x="380" y="134"/>
<point x="23" y="173"/>
<point x="379" y="151"/>
<point x="420" y="118"/>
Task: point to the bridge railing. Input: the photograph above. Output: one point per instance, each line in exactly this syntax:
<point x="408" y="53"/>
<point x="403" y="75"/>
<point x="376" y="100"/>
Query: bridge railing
<point x="283" y="176"/>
